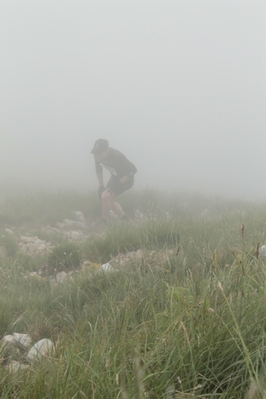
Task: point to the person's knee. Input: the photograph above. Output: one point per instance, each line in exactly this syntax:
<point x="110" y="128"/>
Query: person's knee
<point x="106" y="196"/>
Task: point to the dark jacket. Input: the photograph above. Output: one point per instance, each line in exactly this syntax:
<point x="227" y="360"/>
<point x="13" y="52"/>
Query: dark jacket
<point x="117" y="164"/>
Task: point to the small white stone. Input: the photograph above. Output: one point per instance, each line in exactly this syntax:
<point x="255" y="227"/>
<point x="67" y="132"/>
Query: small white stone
<point x="106" y="267"/>
<point x="26" y="239"/>
<point x="139" y="254"/>
<point x="41" y="348"/>
<point x="262" y="251"/>
<point x="69" y="222"/>
<point x="79" y="216"/>
<point x="15" y="366"/>
<point x="60" y="277"/>
<point x="74" y="235"/>
<point x="9" y="339"/>
<point x="23" y="339"/>
<point x="170" y="391"/>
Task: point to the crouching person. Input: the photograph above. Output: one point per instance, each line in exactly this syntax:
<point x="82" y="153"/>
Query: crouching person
<point x="122" y="177"/>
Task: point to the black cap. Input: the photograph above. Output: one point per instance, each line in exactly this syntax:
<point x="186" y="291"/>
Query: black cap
<point x="100" y="145"/>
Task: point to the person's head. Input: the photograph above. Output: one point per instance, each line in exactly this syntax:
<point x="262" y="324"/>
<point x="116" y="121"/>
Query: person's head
<point x="100" y="149"/>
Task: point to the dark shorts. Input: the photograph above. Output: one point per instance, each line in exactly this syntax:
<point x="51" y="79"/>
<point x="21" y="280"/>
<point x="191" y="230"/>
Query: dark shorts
<point x="117" y="187"/>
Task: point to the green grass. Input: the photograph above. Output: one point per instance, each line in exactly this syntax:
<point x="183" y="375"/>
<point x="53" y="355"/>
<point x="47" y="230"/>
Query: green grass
<point x="46" y="207"/>
<point x="124" y="238"/>
<point x="187" y="316"/>
<point x="64" y="257"/>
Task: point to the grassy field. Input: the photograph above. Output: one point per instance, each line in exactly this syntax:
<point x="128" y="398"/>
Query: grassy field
<point x="185" y="318"/>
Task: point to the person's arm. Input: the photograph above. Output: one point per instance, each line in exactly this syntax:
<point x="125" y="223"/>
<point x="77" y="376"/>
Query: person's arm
<point x="99" y="172"/>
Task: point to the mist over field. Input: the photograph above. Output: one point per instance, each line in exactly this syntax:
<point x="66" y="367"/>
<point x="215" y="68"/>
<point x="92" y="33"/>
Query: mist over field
<point x="178" y="86"/>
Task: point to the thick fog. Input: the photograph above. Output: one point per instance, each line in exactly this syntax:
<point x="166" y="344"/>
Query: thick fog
<point x="177" y="85"/>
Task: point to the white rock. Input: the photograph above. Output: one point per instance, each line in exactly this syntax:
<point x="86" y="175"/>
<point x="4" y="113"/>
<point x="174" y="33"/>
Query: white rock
<point x="139" y="254"/>
<point x="60" y="277"/>
<point x="86" y="264"/>
<point x="74" y="235"/>
<point x="70" y="222"/>
<point x="43" y="347"/>
<point x="23" y="339"/>
<point x="27" y="239"/>
<point x="2" y="250"/>
<point x="14" y="366"/>
<point x="79" y="216"/>
<point x="106" y="267"/>
<point x="262" y="252"/>
<point x="34" y="246"/>
<point x="112" y="214"/>
<point x="9" y="339"/>
<point x="170" y="391"/>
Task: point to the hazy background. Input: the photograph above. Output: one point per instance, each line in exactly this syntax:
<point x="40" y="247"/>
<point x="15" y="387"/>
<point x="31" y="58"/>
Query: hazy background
<point x="178" y="86"/>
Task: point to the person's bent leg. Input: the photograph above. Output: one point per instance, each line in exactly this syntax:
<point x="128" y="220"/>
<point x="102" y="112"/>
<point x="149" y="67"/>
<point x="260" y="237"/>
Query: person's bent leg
<point x="113" y="188"/>
<point x="107" y="204"/>
<point x="117" y="208"/>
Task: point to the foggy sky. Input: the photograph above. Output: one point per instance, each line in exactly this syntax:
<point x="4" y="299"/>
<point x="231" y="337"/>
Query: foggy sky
<point x="178" y="86"/>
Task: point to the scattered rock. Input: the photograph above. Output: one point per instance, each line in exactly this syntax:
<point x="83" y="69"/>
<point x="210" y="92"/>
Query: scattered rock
<point x="129" y="256"/>
<point x="60" y="277"/>
<point x="79" y="216"/>
<point x="22" y="339"/>
<point x="9" y="339"/>
<point x="70" y="222"/>
<point x="74" y="235"/>
<point x="13" y="366"/>
<point x="2" y="251"/>
<point x="170" y="392"/>
<point x="106" y="267"/>
<point x="26" y="239"/>
<point x="262" y="252"/>
<point x="34" y="246"/>
<point x="44" y="347"/>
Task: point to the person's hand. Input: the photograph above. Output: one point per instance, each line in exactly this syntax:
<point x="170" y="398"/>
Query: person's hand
<point x="100" y="191"/>
<point x="115" y="188"/>
<point x="112" y="191"/>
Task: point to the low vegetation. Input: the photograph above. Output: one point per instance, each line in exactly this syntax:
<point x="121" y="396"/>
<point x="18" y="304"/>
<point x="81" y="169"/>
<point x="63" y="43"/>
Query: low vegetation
<point x="183" y="317"/>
